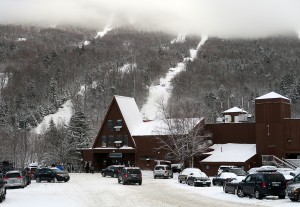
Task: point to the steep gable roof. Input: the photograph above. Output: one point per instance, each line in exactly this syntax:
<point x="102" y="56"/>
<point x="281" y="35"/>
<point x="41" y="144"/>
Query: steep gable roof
<point x="130" y="112"/>
<point x="271" y="95"/>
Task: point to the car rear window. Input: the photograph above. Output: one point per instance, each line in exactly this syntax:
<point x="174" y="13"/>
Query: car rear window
<point x="12" y="175"/>
<point x="275" y="178"/>
<point x="133" y="171"/>
<point x="159" y="168"/>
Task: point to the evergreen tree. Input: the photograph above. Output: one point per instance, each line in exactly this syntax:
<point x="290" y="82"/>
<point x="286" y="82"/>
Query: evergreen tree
<point x="79" y="129"/>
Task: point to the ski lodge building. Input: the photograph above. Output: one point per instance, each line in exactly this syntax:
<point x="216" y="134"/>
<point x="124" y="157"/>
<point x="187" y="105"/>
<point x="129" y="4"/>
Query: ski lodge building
<point x="273" y="138"/>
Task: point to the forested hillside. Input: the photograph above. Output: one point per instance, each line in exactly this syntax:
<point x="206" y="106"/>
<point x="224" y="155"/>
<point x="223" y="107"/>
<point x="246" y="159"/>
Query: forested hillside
<point x="41" y="68"/>
<point x="233" y="72"/>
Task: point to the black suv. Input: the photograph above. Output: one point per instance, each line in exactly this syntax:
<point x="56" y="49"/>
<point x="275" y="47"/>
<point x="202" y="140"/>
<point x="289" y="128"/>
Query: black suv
<point x="112" y="170"/>
<point x="262" y="184"/>
<point x="130" y="175"/>
<point x="2" y="188"/>
<point x="51" y="175"/>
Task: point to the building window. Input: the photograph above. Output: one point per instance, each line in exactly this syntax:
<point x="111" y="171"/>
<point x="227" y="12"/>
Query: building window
<point x="103" y="141"/>
<point x="119" y="122"/>
<point x="111" y="140"/>
<point x="125" y="141"/>
<point x="110" y="125"/>
<point x="118" y="125"/>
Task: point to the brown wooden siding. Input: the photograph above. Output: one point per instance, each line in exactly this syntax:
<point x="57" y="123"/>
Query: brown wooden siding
<point x="291" y="136"/>
<point x="114" y="114"/>
<point x="232" y="133"/>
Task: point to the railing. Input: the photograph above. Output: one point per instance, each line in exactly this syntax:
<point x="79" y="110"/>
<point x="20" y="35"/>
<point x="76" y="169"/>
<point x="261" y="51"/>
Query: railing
<point x="294" y="162"/>
<point x="273" y="160"/>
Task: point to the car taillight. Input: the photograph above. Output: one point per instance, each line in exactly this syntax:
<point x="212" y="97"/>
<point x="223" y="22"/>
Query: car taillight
<point x="6" y="178"/>
<point x="20" y="177"/>
<point x="126" y="175"/>
<point x="264" y="184"/>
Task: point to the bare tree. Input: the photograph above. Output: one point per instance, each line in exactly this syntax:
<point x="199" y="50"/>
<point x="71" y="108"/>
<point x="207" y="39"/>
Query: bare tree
<point x="180" y="137"/>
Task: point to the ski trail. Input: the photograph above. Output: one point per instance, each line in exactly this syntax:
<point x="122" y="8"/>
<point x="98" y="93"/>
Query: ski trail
<point x="163" y="91"/>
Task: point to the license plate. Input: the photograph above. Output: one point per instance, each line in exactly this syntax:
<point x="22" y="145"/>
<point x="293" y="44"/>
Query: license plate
<point x="204" y="182"/>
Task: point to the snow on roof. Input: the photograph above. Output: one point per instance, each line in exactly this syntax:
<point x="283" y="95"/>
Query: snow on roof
<point x="136" y="125"/>
<point x="231" y="152"/>
<point x="235" y="110"/>
<point x="271" y="95"/>
<point x="160" y="127"/>
<point x="130" y="112"/>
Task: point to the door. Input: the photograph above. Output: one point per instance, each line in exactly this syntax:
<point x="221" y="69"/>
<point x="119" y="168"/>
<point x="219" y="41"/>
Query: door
<point x="249" y="184"/>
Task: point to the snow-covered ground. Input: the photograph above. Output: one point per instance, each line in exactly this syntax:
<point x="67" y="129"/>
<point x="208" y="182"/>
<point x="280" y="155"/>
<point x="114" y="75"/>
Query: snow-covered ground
<point x="163" y="90"/>
<point x="91" y="190"/>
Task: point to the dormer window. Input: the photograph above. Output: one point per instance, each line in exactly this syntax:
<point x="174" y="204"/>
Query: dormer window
<point x="118" y="125"/>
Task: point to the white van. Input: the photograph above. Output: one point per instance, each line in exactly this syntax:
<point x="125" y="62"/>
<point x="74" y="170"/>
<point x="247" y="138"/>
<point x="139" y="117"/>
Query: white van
<point x="162" y="171"/>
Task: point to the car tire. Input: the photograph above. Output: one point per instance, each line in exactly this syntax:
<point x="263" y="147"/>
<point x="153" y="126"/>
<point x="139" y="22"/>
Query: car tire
<point x="54" y="180"/>
<point x="140" y="183"/>
<point x="240" y="193"/>
<point x="208" y="185"/>
<point x="257" y="194"/>
<point x="124" y="183"/>
<point x="38" y="179"/>
<point x="180" y="181"/>
<point x="213" y="182"/>
<point x="1" y="199"/>
<point x="154" y="177"/>
<point x="103" y="175"/>
<point x="119" y="181"/>
<point x="171" y="176"/>
<point x="224" y="189"/>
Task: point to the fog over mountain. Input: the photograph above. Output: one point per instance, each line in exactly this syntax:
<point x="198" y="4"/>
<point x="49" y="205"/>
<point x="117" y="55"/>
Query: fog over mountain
<point x="223" y="18"/>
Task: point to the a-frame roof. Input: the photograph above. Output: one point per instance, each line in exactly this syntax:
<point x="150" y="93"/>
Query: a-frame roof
<point x="130" y="112"/>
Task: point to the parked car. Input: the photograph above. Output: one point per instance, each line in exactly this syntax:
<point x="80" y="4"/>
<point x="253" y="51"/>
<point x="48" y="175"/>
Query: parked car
<point x="223" y="178"/>
<point x="14" y="178"/>
<point x="31" y="170"/>
<point x="237" y="171"/>
<point x="162" y="171"/>
<point x="25" y="173"/>
<point x="198" y="179"/>
<point x="294" y="180"/>
<point x="293" y="192"/>
<point x="224" y="167"/>
<point x="232" y="185"/>
<point x="176" y="167"/>
<point x="112" y="170"/>
<point x="287" y="173"/>
<point x="130" y="175"/>
<point x="187" y="171"/>
<point x="262" y="184"/>
<point x="51" y="175"/>
<point x="2" y="188"/>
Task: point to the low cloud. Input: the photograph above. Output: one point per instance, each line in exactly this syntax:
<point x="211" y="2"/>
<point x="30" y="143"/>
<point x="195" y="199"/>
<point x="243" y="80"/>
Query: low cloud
<point x="223" y="18"/>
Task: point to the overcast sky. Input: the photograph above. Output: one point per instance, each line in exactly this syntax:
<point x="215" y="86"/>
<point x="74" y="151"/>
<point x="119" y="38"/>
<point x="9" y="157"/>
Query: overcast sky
<point x="229" y="18"/>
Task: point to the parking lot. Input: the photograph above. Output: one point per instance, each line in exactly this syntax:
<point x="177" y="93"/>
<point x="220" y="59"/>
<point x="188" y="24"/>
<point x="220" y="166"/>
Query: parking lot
<point x="94" y="190"/>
